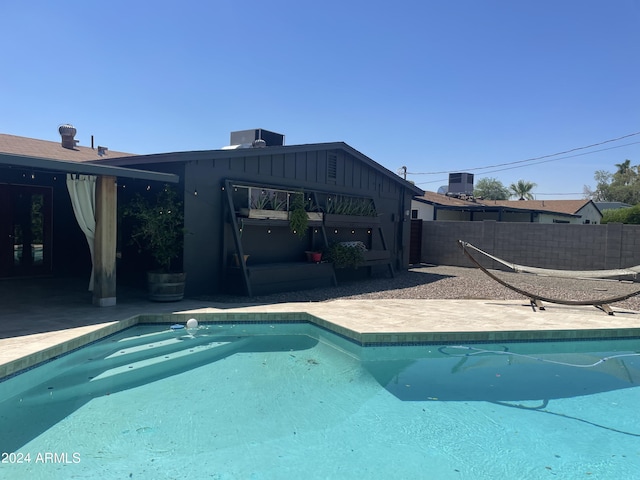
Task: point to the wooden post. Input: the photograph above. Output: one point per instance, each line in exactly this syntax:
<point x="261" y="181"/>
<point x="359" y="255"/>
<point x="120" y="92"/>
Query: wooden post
<point x="104" y="245"/>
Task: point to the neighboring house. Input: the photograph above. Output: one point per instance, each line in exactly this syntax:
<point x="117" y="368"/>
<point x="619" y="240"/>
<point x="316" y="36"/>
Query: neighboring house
<point x="41" y="235"/>
<point x="435" y="206"/>
<point x="221" y="187"/>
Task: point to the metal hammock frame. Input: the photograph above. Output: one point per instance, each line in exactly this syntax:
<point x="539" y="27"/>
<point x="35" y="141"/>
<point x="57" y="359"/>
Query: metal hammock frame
<point x="536" y="299"/>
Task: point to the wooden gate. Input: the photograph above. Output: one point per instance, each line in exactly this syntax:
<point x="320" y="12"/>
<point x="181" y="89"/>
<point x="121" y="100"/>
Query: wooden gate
<point x="415" y="242"/>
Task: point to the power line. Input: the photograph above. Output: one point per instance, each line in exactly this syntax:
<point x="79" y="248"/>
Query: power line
<point x="534" y="163"/>
<point x="534" y="158"/>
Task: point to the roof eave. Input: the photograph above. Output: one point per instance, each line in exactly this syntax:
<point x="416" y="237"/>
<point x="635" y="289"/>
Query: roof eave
<point x="86" y="168"/>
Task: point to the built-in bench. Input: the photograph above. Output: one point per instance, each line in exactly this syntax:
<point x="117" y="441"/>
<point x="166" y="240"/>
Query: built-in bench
<point x="378" y="257"/>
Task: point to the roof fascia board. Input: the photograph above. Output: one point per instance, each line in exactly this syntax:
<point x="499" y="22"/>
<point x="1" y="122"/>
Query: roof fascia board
<point x="86" y="168"/>
<point x="253" y="152"/>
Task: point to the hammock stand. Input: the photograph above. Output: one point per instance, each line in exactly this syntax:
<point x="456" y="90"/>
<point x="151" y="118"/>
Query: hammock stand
<point x="535" y="299"/>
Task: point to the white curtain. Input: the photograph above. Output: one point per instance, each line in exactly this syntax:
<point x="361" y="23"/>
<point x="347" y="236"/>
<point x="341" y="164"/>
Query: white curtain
<point x="82" y="190"/>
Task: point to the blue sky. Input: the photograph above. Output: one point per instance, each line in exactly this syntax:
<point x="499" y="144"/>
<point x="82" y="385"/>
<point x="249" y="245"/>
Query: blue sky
<point x="436" y="86"/>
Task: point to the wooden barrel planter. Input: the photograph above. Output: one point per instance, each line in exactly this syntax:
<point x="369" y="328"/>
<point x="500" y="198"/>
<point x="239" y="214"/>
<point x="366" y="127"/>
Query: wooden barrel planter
<point x="166" y="287"/>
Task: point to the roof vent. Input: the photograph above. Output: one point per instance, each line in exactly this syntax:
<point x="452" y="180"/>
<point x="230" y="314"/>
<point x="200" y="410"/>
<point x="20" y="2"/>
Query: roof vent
<point x="67" y="132"/>
<point x="258" y="143"/>
<point x="102" y="150"/>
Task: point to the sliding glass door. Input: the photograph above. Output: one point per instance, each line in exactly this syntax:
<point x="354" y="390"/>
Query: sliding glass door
<point x="25" y="230"/>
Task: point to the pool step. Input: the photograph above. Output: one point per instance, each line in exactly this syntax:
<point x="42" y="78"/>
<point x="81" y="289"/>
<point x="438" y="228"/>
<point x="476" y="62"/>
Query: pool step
<point x="130" y="370"/>
<point x="139" y="363"/>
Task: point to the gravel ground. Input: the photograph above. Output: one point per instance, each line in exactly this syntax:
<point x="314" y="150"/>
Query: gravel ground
<point x="446" y="282"/>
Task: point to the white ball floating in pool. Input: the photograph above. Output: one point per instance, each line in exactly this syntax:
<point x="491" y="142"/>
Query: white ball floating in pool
<point x="192" y="323"/>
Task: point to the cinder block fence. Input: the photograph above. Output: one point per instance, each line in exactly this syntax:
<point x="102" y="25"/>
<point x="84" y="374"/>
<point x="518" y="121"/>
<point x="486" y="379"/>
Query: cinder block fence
<point x="558" y="246"/>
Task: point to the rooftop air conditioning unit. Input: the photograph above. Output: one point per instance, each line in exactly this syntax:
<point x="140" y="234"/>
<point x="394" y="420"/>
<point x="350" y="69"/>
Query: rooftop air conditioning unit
<point x="256" y="138"/>
<point x="461" y="183"/>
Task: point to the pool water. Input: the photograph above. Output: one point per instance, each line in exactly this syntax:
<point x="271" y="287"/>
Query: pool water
<point x="287" y="401"/>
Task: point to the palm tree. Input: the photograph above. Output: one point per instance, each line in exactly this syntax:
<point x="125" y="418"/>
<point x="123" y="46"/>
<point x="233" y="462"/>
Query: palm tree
<point x="626" y="174"/>
<point x="624" y="167"/>
<point x="522" y="190"/>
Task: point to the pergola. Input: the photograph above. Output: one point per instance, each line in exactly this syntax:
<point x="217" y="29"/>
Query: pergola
<point x="106" y="196"/>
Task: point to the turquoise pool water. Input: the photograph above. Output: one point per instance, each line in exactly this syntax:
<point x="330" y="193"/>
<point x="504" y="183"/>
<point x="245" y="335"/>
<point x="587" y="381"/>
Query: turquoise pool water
<point x="284" y="401"/>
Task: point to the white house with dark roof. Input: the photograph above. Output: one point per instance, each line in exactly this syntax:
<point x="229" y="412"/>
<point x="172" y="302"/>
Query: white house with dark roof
<point x="434" y="206"/>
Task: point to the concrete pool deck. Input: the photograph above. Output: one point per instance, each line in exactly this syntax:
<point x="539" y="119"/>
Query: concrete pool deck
<point x="32" y="332"/>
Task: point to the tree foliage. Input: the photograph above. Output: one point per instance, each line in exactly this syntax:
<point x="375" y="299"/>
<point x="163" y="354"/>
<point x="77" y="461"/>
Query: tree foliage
<point x="491" y="189"/>
<point x="621" y="186"/>
<point x="159" y="226"/>
<point x="522" y="189"/>
<point x="629" y="215"/>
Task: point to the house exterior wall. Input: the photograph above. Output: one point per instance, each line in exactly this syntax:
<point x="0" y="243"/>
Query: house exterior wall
<point x="206" y="219"/>
<point x="425" y="210"/>
<point x="551" y="218"/>
<point x="589" y="214"/>
<point x="556" y="246"/>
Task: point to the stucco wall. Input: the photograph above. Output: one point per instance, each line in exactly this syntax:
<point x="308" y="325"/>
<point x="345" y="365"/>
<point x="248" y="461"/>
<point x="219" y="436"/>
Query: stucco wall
<point x="559" y="246"/>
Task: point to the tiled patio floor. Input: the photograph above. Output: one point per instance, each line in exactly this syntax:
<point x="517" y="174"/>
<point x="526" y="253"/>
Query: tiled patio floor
<point x="37" y="318"/>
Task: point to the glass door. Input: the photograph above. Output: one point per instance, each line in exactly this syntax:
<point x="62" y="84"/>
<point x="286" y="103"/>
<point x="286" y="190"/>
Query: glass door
<point x="25" y="230"/>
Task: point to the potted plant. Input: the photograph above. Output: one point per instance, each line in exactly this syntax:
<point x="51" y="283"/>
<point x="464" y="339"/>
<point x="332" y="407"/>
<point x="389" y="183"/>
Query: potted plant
<point x="267" y="204"/>
<point x="313" y="210"/>
<point x="159" y="229"/>
<point x="350" y="211"/>
<point x="313" y="256"/>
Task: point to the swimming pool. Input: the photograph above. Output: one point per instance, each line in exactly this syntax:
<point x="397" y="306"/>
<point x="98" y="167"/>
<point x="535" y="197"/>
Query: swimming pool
<point x="263" y="401"/>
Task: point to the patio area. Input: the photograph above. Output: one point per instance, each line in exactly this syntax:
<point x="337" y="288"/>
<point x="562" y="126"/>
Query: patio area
<point x="40" y="318"/>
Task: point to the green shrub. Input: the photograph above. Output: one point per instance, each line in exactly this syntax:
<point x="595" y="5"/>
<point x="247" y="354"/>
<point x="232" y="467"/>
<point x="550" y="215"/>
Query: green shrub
<point x="345" y="256"/>
<point x="629" y="215"/>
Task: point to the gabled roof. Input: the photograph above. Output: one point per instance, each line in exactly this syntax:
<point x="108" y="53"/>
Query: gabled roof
<point x="31" y="147"/>
<point x="249" y="152"/>
<point x="565" y="207"/>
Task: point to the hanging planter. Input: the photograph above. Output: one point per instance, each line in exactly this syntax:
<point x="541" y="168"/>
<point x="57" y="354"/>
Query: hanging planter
<point x="350" y="212"/>
<point x="298" y="219"/>
<point x="315" y="216"/>
<point x="268" y="214"/>
<point x="268" y="204"/>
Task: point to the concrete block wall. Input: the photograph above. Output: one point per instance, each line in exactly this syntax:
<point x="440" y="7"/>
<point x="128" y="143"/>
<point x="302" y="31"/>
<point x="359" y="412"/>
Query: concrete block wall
<point x="558" y="246"/>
